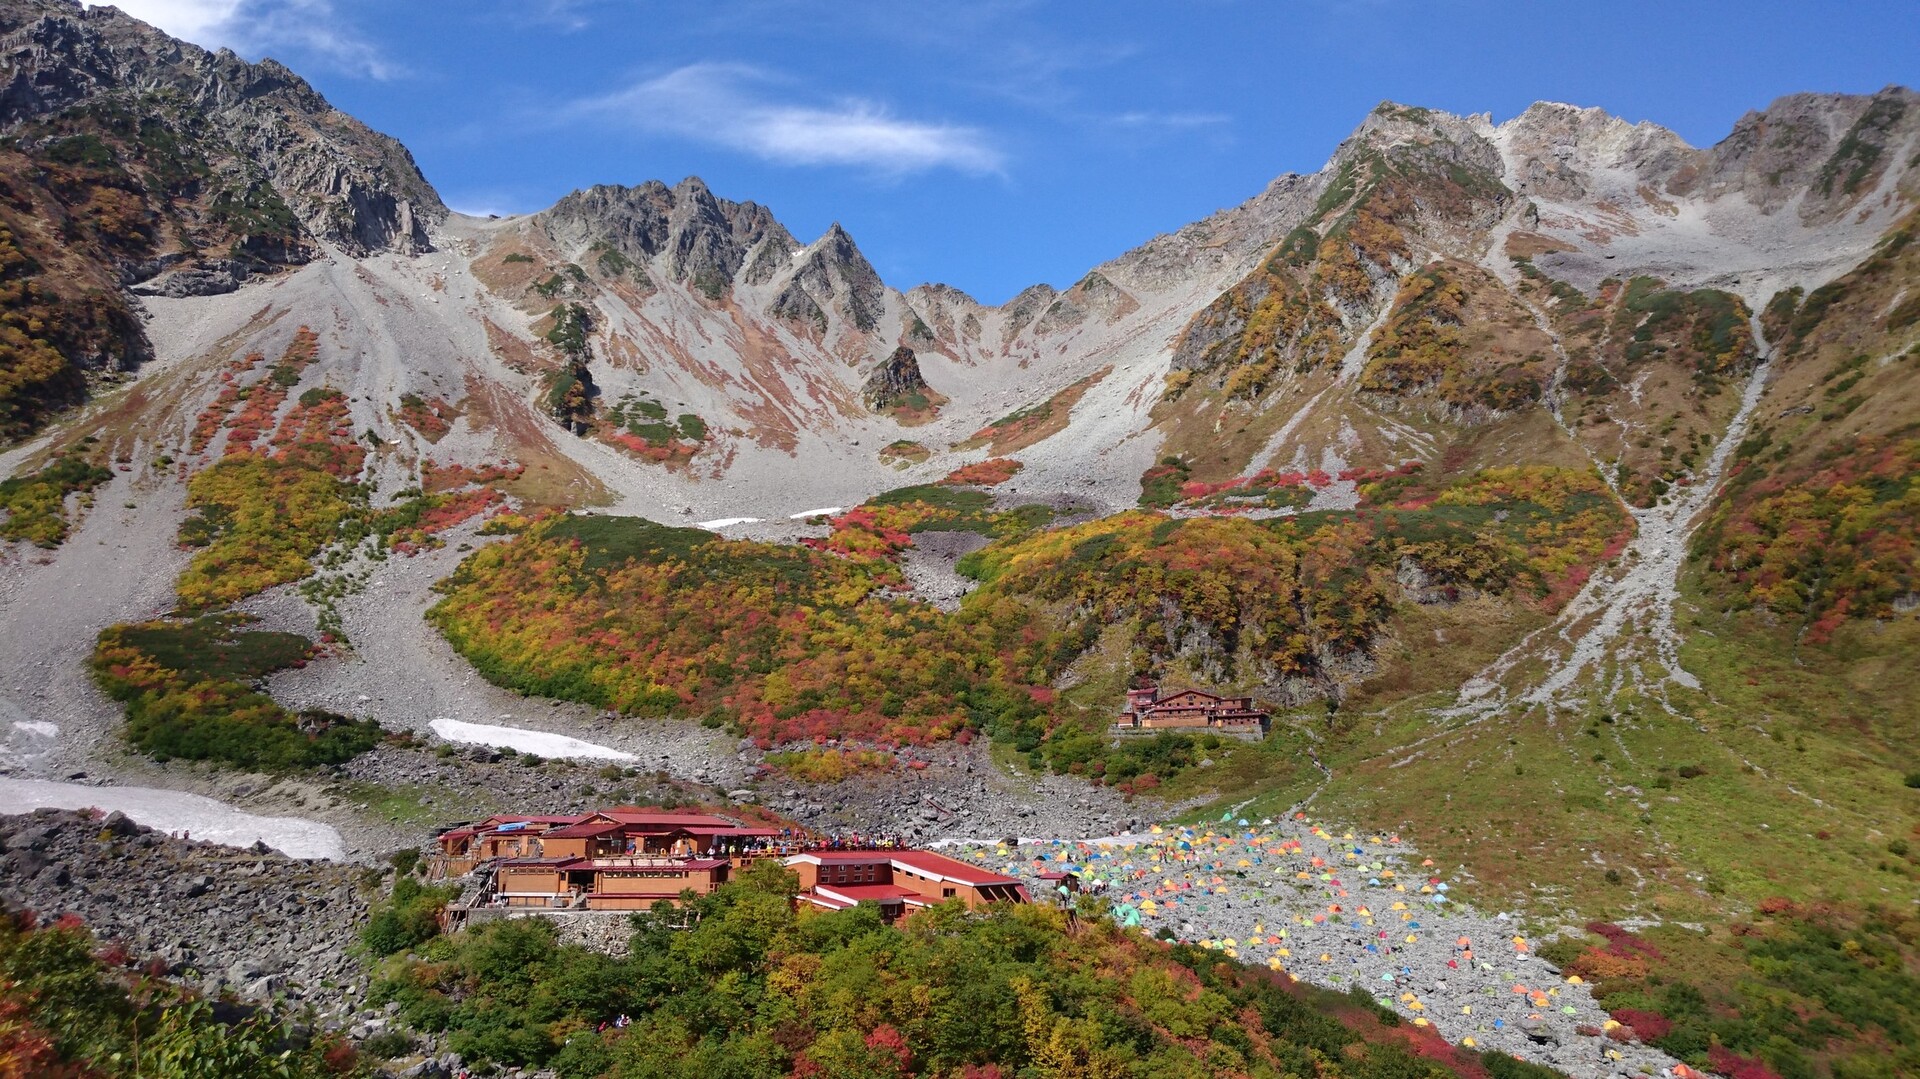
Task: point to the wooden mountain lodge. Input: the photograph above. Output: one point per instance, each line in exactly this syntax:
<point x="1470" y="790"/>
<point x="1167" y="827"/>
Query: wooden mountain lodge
<point x="628" y="859"/>
<point x="1147" y="711"/>
<point x="611" y="859"/>
<point x="900" y="881"/>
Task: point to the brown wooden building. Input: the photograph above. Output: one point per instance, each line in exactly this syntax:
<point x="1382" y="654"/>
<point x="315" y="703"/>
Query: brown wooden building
<point x="604" y="833"/>
<point x="1191" y="709"/>
<point x="617" y="883"/>
<point x="630" y="859"/>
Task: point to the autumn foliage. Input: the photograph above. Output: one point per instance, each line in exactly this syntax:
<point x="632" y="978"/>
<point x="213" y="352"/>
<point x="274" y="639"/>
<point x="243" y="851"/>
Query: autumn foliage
<point x="829" y="765"/>
<point x="191" y="691"/>
<point x="430" y="417"/>
<point x="35" y="505"/>
<point x="1821" y="544"/>
<point x="70" y="1009"/>
<point x="1019" y="990"/>
<point x="258" y="523"/>
<point x="792" y="643"/>
<point x="988" y="473"/>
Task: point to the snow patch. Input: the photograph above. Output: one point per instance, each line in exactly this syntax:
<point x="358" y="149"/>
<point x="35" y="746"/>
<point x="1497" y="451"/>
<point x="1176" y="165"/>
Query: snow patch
<point x="177" y="811"/>
<point x="525" y="741"/>
<point x="824" y="511"/>
<point x="726" y="522"/>
<point x="32" y="726"/>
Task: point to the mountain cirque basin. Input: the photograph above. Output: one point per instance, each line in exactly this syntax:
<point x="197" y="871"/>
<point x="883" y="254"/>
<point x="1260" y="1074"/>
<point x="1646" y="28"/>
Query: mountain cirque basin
<point x="1550" y="482"/>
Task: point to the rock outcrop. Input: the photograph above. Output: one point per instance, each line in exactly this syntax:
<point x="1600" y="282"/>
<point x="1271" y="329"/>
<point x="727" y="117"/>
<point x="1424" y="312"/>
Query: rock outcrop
<point x="834" y="276"/>
<point x="895" y="382"/>
<point x="689" y="235"/>
<point x="683" y="233"/>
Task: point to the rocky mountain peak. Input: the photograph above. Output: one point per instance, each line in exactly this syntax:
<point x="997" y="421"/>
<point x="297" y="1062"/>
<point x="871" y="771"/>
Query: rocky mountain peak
<point x="1834" y="147"/>
<point x="941" y="293"/>
<point x="346" y="184"/>
<point x="686" y="231"/>
<point x="702" y="248"/>
<point x="837" y="248"/>
<point x="833" y="275"/>
<point x="1553" y="150"/>
<point x="1411" y="134"/>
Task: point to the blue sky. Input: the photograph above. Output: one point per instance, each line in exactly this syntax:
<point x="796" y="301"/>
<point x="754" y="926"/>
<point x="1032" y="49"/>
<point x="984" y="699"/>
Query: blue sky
<point x="995" y="144"/>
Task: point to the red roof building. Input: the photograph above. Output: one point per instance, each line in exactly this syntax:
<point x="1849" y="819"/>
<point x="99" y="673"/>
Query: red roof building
<point x="900" y="881"/>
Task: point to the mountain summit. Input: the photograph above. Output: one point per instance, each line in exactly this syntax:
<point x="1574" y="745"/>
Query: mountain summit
<point x="136" y="162"/>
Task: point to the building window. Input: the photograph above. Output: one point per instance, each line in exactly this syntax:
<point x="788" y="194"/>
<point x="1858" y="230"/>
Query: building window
<point x="946" y="893"/>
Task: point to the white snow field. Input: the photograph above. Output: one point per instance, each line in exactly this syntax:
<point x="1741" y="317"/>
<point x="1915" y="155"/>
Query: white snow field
<point x="175" y="811"/>
<point x="526" y="741"/>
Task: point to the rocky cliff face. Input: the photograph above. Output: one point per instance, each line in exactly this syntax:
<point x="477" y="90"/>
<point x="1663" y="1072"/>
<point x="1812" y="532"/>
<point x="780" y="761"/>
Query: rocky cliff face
<point x="687" y="235"/>
<point x="834" y="276"/>
<point x="1453" y="274"/>
<point x="1829" y="150"/>
<point x="129" y="160"/>
<point x="346" y="184"/>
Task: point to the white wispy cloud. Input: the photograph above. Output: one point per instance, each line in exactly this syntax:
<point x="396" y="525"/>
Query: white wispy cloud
<point x="570" y="15"/>
<point x="260" y="26"/>
<point x="732" y="105"/>
<point x="1170" y="121"/>
<point x="199" y="21"/>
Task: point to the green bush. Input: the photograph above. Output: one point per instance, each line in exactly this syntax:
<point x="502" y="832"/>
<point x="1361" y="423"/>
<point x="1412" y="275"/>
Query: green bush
<point x="36" y="505"/>
<point x="406" y="919"/>
<point x="1160" y="485"/>
<point x="188" y="688"/>
<point x="655" y="434"/>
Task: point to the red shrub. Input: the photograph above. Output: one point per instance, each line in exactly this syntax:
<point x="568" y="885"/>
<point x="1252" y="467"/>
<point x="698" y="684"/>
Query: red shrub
<point x="889" y="1040"/>
<point x="1647" y="1026"/>
<point x="988" y="473"/>
<point x="1734" y="1066"/>
<point x="1622" y="943"/>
